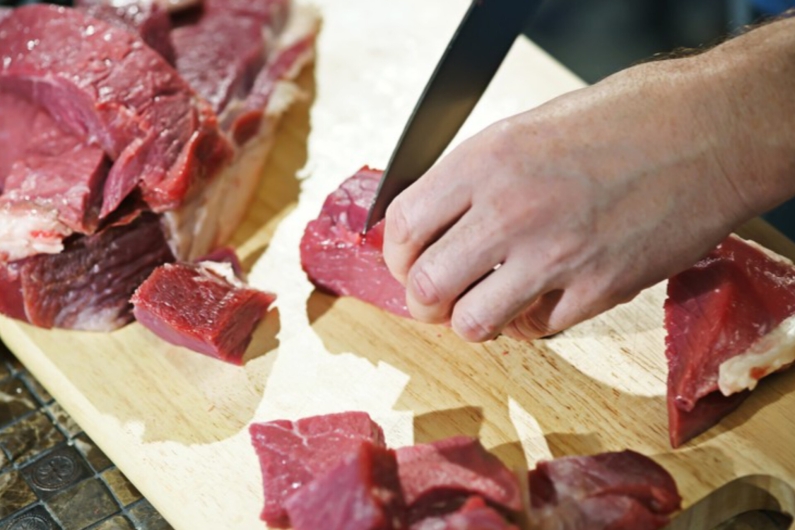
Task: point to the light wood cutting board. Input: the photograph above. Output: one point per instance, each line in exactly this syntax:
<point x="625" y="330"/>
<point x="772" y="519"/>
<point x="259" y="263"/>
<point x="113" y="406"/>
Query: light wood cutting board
<point x="176" y="422"/>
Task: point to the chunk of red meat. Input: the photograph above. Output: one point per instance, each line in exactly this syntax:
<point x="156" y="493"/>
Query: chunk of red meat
<point x="4" y="12"/>
<point x="86" y="73"/>
<point x="292" y="454"/>
<point x="339" y="259"/>
<point x="55" y="171"/>
<point x="616" y="491"/>
<point x="146" y="19"/>
<point x="270" y="13"/>
<point x="17" y="117"/>
<point x="361" y="493"/>
<point x="220" y="55"/>
<point x="438" y="477"/>
<point x="191" y="305"/>
<point x="717" y="310"/>
<point x="87" y="287"/>
<point x="475" y="514"/>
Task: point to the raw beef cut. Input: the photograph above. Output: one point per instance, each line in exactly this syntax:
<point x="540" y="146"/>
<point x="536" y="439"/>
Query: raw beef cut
<point x="339" y="259"/>
<point x="615" y="491"/>
<point x="223" y="313"/>
<point x="162" y="138"/>
<point x="475" y="514"/>
<point x="132" y="137"/>
<point x="730" y="320"/>
<point x="292" y="454"/>
<point x="148" y="20"/>
<point x="4" y="12"/>
<point x="85" y="287"/>
<point x="438" y="477"/>
<point x="361" y="493"/>
<point x="171" y="5"/>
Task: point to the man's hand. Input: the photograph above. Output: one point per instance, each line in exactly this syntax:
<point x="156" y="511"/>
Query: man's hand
<point x="550" y="217"/>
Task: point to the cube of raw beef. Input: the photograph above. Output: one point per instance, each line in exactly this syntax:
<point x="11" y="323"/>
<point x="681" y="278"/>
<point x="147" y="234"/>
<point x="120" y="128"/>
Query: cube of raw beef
<point x="475" y="514"/>
<point x="203" y="307"/>
<point x="729" y="322"/>
<point x="339" y="259"/>
<point x="438" y="477"/>
<point x="608" y="491"/>
<point x="361" y="493"/>
<point x="293" y="454"/>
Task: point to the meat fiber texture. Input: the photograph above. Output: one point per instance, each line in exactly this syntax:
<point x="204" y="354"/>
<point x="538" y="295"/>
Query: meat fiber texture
<point x="608" y="491"/>
<point x="338" y="259"/>
<point x="293" y="454"/>
<point x="97" y="128"/>
<point x="223" y="314"/>
<point x="730" y="320"/>
<point x="474" y="514"/>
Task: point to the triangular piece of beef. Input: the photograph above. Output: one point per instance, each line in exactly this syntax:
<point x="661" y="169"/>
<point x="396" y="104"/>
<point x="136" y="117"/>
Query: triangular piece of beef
<point x="730" y="320"/>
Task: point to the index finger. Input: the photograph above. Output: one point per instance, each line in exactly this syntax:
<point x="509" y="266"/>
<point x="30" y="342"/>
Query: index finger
<point x="419" y="216"/>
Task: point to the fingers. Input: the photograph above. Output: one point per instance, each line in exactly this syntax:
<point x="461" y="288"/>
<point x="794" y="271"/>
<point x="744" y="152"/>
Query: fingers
<point x="418" y="216"/>
<point x="467" y="252"/>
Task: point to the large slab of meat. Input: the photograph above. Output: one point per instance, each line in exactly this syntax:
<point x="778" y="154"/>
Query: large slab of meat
<point x="223" y="314"/>
<point x="333" y="472"/>
<point x="339" y="259"/>
<point x="730" y="321"/>
<point x="112" y="112"/>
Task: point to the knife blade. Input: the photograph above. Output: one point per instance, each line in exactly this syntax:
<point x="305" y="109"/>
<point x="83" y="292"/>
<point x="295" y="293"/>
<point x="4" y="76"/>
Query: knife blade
<point x="745" y="494"/>
<point x="478" y="47"/>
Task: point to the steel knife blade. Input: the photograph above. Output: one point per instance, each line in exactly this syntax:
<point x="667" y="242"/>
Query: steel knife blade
<point x="482" y="40"/>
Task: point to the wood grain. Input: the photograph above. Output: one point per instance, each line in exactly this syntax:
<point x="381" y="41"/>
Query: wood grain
<point x="176" y="422"/>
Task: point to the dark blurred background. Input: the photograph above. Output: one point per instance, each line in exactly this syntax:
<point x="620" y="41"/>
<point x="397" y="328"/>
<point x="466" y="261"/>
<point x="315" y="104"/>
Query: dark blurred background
<point x="595" y="38"/>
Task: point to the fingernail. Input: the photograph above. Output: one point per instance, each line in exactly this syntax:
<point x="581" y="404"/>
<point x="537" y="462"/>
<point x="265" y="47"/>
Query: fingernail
<point x="425" y="288"/>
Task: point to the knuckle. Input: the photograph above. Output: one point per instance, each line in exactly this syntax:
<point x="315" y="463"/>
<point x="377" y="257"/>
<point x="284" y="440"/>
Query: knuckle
<point x="531" y="325"/>
<point x="396" y="226"/>
<point x="472" y="328"/>
<point x="423" y="287"/>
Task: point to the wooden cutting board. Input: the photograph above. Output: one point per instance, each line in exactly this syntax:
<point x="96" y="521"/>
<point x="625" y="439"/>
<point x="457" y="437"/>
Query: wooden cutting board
<point x="176" y="422"/>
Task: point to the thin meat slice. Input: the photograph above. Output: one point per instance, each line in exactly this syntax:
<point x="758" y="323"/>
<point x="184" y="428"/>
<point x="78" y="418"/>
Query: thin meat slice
<point x="475" y="514"/>
<point x="339" y="259"/>
<point x="730" y="320"/>
<point x="438" y="477"/>
<point x="292" y="454"/>
<point x="361" y="493"/>
<point x="204" y="307"/>
<point x="147" y="19"/>
<point x="616" y="491"/>
<point x="86" y="73"/>
<point x="86" y="287"/>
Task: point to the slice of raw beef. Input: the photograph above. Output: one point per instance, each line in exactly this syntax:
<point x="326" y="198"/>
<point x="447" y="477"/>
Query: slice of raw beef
<point x="293" y="454"/>
<point x="438" y="477"/>
<point x="615" y="491"/>
<point x="339" y="259"/>
<point x="222" y="311"/>
<point x="475" y="514"/>
<point x="730" y="320"/>
<point x="361" y="493"/>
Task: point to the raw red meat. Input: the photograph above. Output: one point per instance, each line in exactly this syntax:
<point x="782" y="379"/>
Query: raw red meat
<point x="475" y="514"/>
<point x="86" y="287"/>
<point x="615" y="491"/>
<point x="732" y="305"/>
<point x="4" y="12"/>
<point x="339" y="259"/>
<point x="438" y="477"/>
<point x="162" y="139"/>
<point x="294" y="453"/>
<point x="223" y="313"/>
<point x="148" y="20"/>
<point x="361" y="493"/>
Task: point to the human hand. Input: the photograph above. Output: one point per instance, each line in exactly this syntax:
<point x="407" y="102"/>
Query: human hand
<point x="550" y="217"/>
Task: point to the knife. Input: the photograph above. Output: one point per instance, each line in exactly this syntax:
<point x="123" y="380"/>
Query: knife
<point x="482" y="40"/>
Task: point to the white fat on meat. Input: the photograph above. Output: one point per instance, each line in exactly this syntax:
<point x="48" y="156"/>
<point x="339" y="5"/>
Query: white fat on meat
<point x="209" y="218"/>
<point x="223" y="270"/>
<point x="28" y="230"/>
<point x="772" y="352"/>
<point x="170" y="5"/>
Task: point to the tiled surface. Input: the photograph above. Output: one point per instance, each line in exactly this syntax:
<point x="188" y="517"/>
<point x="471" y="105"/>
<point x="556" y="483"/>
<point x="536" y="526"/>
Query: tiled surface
<point x="52" y="476"/>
